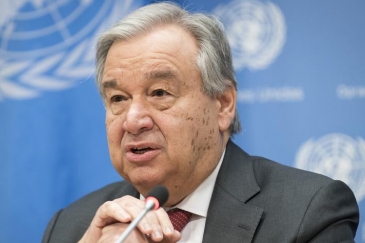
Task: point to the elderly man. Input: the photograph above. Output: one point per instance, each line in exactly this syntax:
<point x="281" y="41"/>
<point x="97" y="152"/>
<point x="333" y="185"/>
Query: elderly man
<point x="168" y="85"/>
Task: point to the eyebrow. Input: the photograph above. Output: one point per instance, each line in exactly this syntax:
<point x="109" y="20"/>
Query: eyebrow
<point x="160" y="74"/>
<point x="109" y="84"/>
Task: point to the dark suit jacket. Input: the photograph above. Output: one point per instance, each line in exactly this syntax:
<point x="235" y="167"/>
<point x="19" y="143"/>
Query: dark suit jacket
<point x="254" y="200"/>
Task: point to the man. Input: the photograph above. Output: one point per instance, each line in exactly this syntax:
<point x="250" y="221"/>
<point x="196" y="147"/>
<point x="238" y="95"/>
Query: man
<point x="168" y="85"/>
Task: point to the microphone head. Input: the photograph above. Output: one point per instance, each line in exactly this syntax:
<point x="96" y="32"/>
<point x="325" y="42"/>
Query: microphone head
<point x="159" y="194"/>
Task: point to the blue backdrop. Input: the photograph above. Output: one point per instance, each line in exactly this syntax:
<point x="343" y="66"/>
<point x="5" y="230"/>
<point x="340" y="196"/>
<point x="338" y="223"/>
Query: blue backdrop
<point x="301" y="73"/>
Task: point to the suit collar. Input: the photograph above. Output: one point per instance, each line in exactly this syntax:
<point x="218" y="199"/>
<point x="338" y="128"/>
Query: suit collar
<point x="236" y="175"/>
<point x="229" y="218"/>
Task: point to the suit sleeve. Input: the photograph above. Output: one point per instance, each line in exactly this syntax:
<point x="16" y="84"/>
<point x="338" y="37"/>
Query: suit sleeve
<point x="332" y="215"/>
<point x="50" y="227"/>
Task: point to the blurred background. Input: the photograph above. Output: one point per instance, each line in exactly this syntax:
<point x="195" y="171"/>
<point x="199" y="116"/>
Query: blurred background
<point x="300" y="68"/>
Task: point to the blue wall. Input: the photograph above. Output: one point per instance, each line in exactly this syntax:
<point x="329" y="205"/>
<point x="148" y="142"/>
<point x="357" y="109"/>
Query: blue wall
<point x="301" y="73"/>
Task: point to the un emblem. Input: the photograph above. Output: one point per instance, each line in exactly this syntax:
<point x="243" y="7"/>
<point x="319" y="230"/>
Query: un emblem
<point x="256" y="32"/>
<point x="337" y="156"/>
<point x="49" y="45"/>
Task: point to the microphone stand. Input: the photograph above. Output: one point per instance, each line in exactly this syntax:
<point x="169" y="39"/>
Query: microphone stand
<point x="149" y="205"/>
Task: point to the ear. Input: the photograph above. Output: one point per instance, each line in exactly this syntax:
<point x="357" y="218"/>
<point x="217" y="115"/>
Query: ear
<point x="227" y="110"/>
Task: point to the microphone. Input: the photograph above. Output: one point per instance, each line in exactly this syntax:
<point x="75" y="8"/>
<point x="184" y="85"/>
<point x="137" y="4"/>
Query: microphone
<point x="155" y="198"/>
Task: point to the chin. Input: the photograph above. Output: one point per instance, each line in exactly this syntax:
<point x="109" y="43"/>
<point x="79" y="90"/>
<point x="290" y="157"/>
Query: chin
<point x="145" y="182"/>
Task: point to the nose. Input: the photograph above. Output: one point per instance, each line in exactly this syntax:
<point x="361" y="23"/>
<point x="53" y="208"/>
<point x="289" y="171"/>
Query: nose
<point x="138" y="118"/>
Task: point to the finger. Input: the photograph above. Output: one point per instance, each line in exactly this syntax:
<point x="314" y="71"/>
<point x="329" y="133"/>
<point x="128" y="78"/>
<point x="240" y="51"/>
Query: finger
<point x="165" y="222"/>
<point x="153" y="221"/>
<point x="110" y="212"/>
<point x="131" y="206"/>
<point x="134" y="209"/>
<point x="112" y="232"/>
<point x="175" y="237"/>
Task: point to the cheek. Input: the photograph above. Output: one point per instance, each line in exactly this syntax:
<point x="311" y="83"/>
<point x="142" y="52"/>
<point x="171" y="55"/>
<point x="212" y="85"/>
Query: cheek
<point x="201" y="127"/>
<point x="114" y="130"/>
<point x="114" y="137"/>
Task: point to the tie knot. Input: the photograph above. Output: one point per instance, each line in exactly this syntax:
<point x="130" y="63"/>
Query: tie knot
<point x="179" y="218"/>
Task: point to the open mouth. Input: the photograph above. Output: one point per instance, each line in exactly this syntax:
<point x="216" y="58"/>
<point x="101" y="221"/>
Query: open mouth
<point x="141" y="150"/>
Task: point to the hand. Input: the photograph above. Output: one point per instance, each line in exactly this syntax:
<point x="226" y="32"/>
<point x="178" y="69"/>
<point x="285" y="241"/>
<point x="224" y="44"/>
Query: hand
<point x="156" y="223"/>
<point x="112" y="232"/>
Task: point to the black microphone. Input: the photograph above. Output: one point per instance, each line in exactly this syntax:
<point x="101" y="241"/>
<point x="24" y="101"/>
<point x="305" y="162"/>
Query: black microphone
<point x="156" y="198"/>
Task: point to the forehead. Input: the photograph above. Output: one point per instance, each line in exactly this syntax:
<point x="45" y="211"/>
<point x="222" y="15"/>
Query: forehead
<point x="168" y="46"/>
<point x="159" y="74"/>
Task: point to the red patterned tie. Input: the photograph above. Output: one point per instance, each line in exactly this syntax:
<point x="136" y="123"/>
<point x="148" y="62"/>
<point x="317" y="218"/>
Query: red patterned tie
<point x="179" y="218"/>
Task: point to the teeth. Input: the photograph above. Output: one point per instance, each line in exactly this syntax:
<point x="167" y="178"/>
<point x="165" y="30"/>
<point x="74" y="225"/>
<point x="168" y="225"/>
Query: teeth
<point x="140" y="150"/>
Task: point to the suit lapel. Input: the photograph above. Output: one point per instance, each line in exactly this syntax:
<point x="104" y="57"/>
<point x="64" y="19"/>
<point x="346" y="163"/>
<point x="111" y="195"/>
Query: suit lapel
<point x="229" y="218"/>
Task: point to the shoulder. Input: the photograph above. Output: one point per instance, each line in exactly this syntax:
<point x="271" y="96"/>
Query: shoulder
<point x="268" y="171"/>
<point x="304" y="204"/>
<point x="300" y="203"/>
<point x="291" y="188"/>
<point x="289" y="185"/>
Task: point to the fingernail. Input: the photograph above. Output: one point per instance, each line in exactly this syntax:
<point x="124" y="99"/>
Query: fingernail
<point x="168" y="230"/>
<point x="157" y="234"/>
